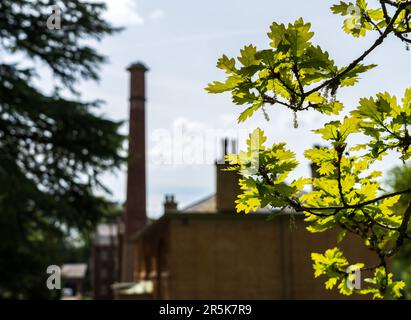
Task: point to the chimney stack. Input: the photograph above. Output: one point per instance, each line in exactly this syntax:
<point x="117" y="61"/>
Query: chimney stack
<point x="135" y="211"/>
<point x="170" y="205"/>
<point x="227" y="188"/>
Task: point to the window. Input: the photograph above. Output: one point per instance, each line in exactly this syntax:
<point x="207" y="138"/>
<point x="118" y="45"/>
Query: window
<point x="103" y="255"/>
<point x="103" y="273"/>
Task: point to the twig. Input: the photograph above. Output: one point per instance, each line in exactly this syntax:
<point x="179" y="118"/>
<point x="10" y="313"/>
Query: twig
<point x="353" y="64"/>
<point x="358" y="205"/>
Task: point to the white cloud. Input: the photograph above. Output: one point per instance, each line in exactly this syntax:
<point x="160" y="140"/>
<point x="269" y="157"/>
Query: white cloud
<point x="123" y="12"/>
<point x="201" y="37"/>
<point x="126" y="13"/>
<point x="188" y="142"/>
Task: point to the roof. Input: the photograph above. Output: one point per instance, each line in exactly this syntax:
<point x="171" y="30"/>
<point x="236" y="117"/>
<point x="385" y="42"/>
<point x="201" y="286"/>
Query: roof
<point x="134" y="288"/>
<point x="105" y="234"/>
<point x="209" y="205"/>
<point x="205" y="205"/>
<point x="106" y="230"/>
<point x="74" y="270"/>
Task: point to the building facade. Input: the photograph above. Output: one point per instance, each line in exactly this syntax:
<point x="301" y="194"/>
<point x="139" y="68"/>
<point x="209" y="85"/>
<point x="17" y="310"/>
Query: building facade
<point x="231" y="256"/>
<point x="104" y="269"/>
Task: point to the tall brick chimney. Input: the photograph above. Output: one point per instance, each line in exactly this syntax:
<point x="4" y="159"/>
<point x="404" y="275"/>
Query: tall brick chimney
<point x="135" y="211"/>
<point x="227" y="188"/>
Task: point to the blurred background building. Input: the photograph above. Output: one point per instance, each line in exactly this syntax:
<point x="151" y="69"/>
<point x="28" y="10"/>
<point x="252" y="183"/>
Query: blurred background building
<point x="74" y="278"/>
<point x="105" y="261"/>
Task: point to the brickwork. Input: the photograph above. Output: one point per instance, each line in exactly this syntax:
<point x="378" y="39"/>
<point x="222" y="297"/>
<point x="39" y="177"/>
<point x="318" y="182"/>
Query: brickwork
<point x="225" y="256"/>
<point x="135" y="208"/>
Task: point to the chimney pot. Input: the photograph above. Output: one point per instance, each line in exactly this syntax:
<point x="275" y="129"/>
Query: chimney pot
<point x="234" y="146"/>
<point x="170" y="205"/>
<point x="137" y="66"/>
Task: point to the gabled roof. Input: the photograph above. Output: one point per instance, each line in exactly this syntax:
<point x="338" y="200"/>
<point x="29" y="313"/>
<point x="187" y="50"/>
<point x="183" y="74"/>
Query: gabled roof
<point x="105" y="234"/>
<point x="209" y="205"/>
<point x="205" y="205"/>
<point x="74" y="270"/>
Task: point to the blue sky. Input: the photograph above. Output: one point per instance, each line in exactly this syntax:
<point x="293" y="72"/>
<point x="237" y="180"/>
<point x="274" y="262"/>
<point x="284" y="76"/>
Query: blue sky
<point x="180" y="41"/>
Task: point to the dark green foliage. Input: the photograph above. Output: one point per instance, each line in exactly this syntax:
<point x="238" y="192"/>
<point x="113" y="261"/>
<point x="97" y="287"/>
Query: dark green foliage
<point x="53" y="149"/>
<point x="399" y="178"/>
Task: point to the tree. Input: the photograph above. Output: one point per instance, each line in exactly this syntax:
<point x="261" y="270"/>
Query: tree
<point x="296" y="74"/>
<point x="53" y="147"/>
<point x="399" y="178"/>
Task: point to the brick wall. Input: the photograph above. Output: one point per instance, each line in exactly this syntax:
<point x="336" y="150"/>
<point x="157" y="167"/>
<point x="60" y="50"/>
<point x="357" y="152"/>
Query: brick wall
<point x="248" y="258"/>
